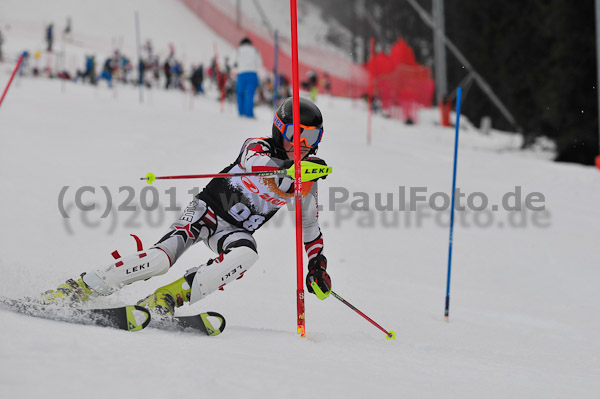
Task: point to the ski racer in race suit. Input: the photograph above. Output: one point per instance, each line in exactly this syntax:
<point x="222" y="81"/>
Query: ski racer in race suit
<point x="224" y="216"/>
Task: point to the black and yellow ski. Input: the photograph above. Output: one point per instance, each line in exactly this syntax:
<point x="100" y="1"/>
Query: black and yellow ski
<point x="199" y="323"/>
<point x="129" y="318"/>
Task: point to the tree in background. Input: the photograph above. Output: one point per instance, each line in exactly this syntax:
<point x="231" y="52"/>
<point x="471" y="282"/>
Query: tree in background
<point x="538" y="55"/>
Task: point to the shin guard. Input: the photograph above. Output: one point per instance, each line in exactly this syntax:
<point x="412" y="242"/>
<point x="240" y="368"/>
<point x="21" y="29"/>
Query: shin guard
<point x="139" y="266"/>
<point x="220" y="271"/>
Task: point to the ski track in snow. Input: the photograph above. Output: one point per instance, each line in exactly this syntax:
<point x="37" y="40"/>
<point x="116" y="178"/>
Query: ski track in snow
<point x="524" y="299"/>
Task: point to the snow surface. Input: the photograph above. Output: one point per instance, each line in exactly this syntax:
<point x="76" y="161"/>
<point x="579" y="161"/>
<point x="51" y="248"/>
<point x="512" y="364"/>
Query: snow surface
<point x="524" y="310"/>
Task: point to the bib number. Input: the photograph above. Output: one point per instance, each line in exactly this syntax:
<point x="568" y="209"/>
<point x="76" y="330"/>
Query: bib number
<point x="243" y="214"/>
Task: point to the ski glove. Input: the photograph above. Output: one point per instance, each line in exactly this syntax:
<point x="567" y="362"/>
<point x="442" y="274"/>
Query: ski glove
<point x="286" y="164"/>
<point x="318" y="281"/>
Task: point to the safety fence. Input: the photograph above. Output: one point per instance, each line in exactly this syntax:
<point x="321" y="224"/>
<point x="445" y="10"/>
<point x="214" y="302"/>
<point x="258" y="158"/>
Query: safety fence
<point x="400" y="83"/>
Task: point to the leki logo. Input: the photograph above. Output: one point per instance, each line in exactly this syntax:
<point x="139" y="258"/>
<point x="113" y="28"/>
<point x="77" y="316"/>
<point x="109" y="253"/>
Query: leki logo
<point x="317" y="170"/>
<point x="231" y="273"/>
<point x="249" y="185"/>
<point x="137" y="268"/>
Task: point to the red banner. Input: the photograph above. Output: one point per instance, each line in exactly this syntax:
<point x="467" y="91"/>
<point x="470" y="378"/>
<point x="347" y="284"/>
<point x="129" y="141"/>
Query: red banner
<point x="347" y="79"/>
<point x="399" y="82"/>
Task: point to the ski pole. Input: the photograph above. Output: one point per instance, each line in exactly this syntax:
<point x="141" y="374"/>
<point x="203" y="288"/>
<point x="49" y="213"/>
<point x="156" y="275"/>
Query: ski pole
<point x="150" y="176"/>
<point x="12" y="77"/>
<point x="389" y="334"/>
<point x="310" y="171"/>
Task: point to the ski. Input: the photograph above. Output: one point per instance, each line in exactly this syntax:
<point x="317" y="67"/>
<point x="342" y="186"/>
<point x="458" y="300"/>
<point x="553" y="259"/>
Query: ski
<point x="199" y="323"/>
<point x="129" y="318"/>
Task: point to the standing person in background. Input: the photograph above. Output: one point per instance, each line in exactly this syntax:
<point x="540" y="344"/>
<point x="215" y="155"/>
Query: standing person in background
<point x="284" y="87"/>
<point x="167" y="71"/>
<point x="327" y="83"/>
<point x="247" y="62"/>
<point x="1" y="41"/>
<point x="49" y="36"/>
<point x="90" y="70"/>
<point x="197" y="78"/>
<point x="67" y="30"/>
<point x="311" y="84"/>
<point x="107" y="71"/>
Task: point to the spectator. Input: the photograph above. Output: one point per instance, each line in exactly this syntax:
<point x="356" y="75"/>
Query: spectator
<point x="248" y="62"/>
<point x="125" y="67"/>
<point x="169" y="63"/>
<point x="265" y="93"/>
<point x="327" y="83"/>
<point x="67" y="30"/>
<point x="311" y="84"/>
<point x="178" y="74"/>
<point x="197" y="78"/>
<point x="141" y="70"/>
<point x="148" y="49"/>
<point x="107" y="71"/>
<point x="1" y="41"/>
<point x="49" y="37"/>
<point x="284" y="87"/>
<point x="90" y="70"/>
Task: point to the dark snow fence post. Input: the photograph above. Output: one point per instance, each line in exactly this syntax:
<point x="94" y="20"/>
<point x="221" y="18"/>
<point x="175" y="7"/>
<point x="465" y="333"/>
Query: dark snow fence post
<point x="275" y="70"/>
<point x="598" y="69"/>
<point x="298" y="176"/>
<point x="458" y="100"/>
<point x="12" y="76"/>
<point x="370" y="102"/>
<point x="139" y="54"/>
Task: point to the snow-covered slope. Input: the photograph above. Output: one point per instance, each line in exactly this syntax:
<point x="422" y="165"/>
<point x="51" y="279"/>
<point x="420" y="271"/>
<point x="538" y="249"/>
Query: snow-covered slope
<point x="524" y="289"/>
<point x="101" y="27"/>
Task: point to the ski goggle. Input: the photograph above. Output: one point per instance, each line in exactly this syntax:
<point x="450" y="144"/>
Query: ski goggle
<point x="309" y="135"/>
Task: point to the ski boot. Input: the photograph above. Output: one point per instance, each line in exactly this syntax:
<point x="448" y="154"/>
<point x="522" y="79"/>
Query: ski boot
<point x="165" y="299"/>
<point x="71" y="292"/>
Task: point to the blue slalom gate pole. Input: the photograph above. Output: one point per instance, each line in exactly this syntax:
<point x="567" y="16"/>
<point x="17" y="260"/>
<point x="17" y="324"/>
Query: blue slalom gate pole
<point x="275" y="71"/>
<point x="458" y="100"/>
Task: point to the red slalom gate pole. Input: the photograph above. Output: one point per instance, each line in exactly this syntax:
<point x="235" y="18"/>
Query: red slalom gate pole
<point x="298" y="177"/>
<point x="12" y="76"/>
<point x="390" y="334"/>
<point x="371" y="55"/>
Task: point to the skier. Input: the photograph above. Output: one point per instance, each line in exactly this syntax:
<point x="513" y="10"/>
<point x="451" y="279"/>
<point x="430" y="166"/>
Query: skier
<point x="224" y="216"/>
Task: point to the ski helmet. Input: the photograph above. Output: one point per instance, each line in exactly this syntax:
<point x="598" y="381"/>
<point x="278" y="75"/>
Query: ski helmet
<point x="310" y="116"/>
